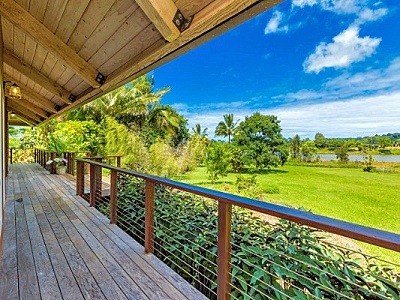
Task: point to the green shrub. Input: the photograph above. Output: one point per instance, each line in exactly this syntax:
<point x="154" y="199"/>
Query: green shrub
<point x="277" y="260"/>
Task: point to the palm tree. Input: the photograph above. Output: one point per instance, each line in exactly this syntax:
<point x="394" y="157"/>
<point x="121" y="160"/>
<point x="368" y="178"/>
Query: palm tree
<point x="227" y="127"/>
<point x="198" y="132"/>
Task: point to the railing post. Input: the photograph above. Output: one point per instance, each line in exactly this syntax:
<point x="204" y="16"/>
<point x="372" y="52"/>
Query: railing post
<point x="149" y="218"/>
<point x="224" y="250"/>
<point x="11" y="158"/>
<point x="80" y="178"/>
<point x="72" y="164"/>
<point x="113" y="197"/>
<point x="119" y="161"/>
<point x="53" y="165"/>
<point x="92" y="185"/>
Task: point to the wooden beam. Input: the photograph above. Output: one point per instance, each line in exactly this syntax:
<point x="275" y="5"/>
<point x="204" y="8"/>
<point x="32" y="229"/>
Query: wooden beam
<point x="22" y="115"/>
<point x="21" y="109"/>
<point x="19" y="121"/>
<point x="32" y="96"/>
<point x="26" y="22"/>
<point x="161" y="13"/>
<point x="31" y="107"/>
<point x="33" y="74"/>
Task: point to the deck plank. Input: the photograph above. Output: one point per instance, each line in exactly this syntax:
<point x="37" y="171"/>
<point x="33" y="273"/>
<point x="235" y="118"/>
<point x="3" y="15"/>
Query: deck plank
<point x="57" y="247"/>
<point x="49" y="288"/>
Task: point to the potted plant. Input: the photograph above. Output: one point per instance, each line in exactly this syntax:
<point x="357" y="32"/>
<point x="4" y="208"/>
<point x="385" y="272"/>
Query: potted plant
<point x="61" y="165"/>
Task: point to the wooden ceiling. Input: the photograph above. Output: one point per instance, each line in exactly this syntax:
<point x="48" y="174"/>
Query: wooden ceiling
<point x="65" y="53"/>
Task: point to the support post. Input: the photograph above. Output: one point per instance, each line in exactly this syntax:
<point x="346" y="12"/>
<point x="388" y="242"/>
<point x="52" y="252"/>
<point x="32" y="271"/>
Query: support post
<point x="113" y="197"/>
<point x="119" y="161"/>
<point x="224" y="250"/>
<point x="149" y="218"/>
<point x="80" y="178"/>
<point x="11" y="156"/>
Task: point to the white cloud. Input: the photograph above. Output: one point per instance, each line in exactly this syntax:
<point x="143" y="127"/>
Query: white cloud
<point x="360" y="104"/>
<point x="274" y="22"/>
<point x="368" y="15"/>
<point x="357" y="117"/>
<point x="347" y="47"/>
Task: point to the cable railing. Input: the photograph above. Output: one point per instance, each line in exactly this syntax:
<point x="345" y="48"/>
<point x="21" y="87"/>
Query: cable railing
<point x="224" y="246"/>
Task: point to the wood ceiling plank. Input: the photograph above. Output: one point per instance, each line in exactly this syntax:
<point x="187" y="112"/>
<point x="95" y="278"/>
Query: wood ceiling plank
<point x="54" y="11"/>
<point x="30" y="49"/>
<point x="65" y="77"/>
<point x="48" y="64"/>
<point x="21" y="109"/>
<point x="8" y="34"/>
<point x="19" y="41"/>
<point x="38" y="9"/>
<point x="24" y="3"/>
<point x="94" y="14"/>
<point x="118" y="14"/>
<point x="36" y="76"/>
<point x="72" y="14"/>
<point x="37" y="110"/>
<point x="40" y="56"/>
<point x="47" y="39"/>
<point x="33" y="96"/>
<point x="161" y="13"/>
<point x="129" y="29"/>
<point x="142" y="41"/>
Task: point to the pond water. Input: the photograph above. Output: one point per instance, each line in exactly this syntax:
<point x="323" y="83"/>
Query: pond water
<point x="358" y="157"/>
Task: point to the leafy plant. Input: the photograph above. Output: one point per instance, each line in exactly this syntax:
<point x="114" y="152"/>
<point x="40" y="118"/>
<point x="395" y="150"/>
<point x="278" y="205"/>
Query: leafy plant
<point x="284" y="260"/>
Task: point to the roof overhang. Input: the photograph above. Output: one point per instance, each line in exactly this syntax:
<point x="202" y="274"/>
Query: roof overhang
<point x="64" y="57"/>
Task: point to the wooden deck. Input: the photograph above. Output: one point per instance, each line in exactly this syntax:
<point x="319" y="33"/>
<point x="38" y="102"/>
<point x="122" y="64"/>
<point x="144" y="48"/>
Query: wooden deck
<point x="56" y="247"/>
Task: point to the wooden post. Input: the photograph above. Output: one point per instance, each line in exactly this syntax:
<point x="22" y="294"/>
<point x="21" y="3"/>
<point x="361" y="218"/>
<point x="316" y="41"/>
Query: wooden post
<point x="11" y="154"/>
<point x="149" y="218"/>
<point x="119" y="161"/>
<point x="224" y="250"/>
<point x="99" y="178"/>
<point x="80" y="179"/>
<point x="72" y="165"/>
<point x="53" y="165"/>
<point x="113" y="197"/>
<point x="92" y="185"/>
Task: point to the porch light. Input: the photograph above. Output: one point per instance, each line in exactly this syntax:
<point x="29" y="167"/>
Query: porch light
<point x="15" y="91"/>
<point x="12" y="114"/>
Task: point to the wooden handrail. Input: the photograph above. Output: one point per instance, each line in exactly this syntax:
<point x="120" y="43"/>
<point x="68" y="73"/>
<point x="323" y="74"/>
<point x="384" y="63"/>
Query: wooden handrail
<point x="369" y="235"/>
<point x="377" y="237"/>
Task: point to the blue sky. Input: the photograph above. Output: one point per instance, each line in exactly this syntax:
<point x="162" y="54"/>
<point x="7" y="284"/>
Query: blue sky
<point x="330" y="66"/>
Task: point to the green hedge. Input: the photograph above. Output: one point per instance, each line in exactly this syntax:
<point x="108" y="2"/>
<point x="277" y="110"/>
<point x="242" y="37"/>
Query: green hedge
<point x="280" y="260"/>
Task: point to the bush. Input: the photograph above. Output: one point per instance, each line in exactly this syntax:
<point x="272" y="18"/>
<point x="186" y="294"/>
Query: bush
<point x="217" y="160"/>
<point x="247" y="186"/>
<point x="284" y="258"/>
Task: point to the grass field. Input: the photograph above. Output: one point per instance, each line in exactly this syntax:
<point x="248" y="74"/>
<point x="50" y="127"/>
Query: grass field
<point x="370" y="199"/>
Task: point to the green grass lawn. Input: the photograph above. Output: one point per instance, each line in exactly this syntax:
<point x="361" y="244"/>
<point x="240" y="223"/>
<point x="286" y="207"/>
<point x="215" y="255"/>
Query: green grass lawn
<point x="370" y="199"/>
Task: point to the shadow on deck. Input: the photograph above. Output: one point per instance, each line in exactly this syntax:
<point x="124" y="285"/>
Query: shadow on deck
<point x="56" y="247"/>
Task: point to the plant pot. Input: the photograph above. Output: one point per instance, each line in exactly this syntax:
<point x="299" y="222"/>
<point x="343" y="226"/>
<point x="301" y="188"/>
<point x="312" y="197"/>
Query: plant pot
<point x="60" y="170"/>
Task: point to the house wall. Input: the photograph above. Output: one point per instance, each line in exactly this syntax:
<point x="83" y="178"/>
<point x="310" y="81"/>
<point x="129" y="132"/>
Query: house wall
<point x="3" y="133"/>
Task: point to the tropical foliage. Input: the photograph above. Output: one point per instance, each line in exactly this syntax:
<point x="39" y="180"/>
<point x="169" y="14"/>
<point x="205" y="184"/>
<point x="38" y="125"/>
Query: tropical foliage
<point x="283" y="260"/>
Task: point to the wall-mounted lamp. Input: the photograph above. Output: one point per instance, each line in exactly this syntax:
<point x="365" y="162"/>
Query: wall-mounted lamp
<point x="12" y="114"/>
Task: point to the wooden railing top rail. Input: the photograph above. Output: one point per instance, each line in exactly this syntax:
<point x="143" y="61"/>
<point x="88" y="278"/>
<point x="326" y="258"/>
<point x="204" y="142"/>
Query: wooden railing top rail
<point x="366" y="234"/>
